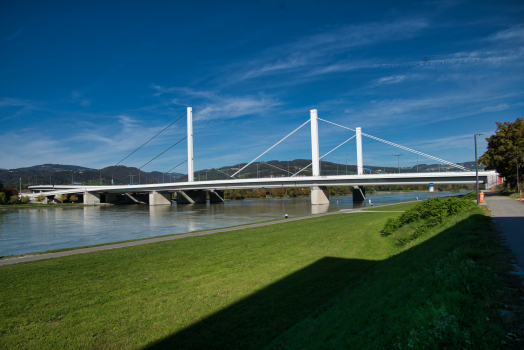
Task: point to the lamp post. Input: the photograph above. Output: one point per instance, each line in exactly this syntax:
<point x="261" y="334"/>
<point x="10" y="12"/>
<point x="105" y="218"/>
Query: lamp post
<point x="477" y="169"/>
<point x="518" y="182"/>
<point x="398" y="158"/>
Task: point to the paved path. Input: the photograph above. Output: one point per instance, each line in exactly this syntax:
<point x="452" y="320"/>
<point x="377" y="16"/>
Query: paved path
<point x="169" y="238"/>
<point x="508" y="214"/>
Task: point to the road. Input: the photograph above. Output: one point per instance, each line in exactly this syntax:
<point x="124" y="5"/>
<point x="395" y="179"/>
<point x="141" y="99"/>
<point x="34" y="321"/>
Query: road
<point x="508" y="214"/>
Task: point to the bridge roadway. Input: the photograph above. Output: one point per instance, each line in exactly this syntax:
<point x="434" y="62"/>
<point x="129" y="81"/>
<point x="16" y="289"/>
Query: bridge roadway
<point x="315" y="182"/>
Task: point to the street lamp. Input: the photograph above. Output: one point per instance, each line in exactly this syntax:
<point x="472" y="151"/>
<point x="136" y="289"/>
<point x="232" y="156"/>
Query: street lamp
<point x="518" y="182"/>
<point x="398" y="158"/>
<point x="477" y="168"/>
<point x="346" y="163"/>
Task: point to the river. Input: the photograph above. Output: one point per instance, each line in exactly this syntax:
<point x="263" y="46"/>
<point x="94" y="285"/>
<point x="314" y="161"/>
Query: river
<point x="32" y="230"/>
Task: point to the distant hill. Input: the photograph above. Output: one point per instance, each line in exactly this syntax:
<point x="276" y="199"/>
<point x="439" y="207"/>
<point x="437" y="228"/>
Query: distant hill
<point x="57" y="174"/>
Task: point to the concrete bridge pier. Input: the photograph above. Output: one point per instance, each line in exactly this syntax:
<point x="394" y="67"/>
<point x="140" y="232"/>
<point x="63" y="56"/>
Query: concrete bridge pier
<point x="216" y="196"/>
<point x="359" y="194"/>
<point x="159" y="198"/>
<point x="319" y="195"/>
<point x="91" y="198"/>
<point x="191" y="197"/>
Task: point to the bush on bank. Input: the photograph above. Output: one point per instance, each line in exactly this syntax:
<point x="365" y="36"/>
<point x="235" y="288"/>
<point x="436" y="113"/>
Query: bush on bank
<point x="429" y="213"/>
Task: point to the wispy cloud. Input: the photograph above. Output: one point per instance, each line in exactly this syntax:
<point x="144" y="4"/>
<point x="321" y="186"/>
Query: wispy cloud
<point x="498" y="108"/>
<point x="513" y="33"/>
<point x="315" y="50"/>
<point x="12" y="36"/>
<point x="223" y="106"/>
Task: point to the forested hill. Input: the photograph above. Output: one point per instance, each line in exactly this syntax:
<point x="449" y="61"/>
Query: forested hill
<point x="58" y="174"/>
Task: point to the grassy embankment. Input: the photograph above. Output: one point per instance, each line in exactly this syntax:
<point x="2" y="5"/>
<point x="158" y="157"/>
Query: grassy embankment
<point x="510" y="194"/>
<point x="331" y="281"/>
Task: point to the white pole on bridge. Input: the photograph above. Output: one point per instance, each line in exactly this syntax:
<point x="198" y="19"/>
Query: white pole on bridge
<point x="314" y="142"/>
<point x="360" y="166"/>
<point x="190" y="171"/>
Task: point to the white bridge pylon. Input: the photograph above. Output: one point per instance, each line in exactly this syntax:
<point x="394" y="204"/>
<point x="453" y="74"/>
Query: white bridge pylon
<point x="315" y="155"/>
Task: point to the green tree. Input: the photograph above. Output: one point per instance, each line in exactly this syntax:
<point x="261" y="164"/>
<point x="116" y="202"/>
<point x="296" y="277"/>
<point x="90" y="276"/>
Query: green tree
<point x="3" y="198"/>
<point x="63" y="198"/>
<point x="40" y="198"/>
<point x="506" y="150"/>
<point x="24" y="200"/>
<point x="73" y="198"/>
<point x="13" y="200"/>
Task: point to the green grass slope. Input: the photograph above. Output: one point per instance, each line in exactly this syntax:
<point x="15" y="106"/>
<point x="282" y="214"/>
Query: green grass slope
<point x="440" y="293"/>
<point x="330" y="282"/>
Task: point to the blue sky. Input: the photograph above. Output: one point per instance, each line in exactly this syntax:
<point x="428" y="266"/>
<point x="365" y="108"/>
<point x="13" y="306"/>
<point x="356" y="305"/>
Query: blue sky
<point x="85" y="83"/>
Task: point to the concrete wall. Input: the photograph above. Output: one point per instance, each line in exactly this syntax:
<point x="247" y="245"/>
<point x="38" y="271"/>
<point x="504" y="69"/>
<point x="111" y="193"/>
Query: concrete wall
<point x="91" y="198"/>
<point x="159" y="198"/>
<point x="216" y="196"/>
<point x="319" y="195"/>
<point x="359" y="194"/>
<point x="191" y="197"/>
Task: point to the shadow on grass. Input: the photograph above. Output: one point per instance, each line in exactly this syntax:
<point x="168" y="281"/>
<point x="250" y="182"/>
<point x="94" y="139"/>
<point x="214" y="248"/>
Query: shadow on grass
<point x="256" y="320"/>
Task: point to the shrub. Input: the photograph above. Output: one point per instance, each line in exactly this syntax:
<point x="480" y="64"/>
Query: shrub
<point x="24" y="199"/>
<point x="430" y="213"/>
<point x="3" y="198"/>
<point x="40" y="198"/>
<point x="13" y="200"/>
<point x="73" y="198"/>
<point x="63" y="198"/>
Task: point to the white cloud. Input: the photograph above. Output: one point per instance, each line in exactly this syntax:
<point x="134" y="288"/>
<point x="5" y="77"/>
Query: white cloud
<point x="513" y="33"/>
<point x="394" y="79"/>
<point x="315" y="50"/>
<point x="498" y="108"/>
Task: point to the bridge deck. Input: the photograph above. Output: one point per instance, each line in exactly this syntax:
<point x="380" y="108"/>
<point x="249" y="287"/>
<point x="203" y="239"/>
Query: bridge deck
<point x="486" y="177"/>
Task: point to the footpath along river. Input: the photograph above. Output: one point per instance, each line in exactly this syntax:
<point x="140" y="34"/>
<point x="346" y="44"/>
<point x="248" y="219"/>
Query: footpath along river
<point x="25" y="231"/>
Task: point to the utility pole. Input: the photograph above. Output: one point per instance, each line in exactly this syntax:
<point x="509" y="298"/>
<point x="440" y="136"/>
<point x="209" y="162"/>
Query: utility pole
<point x="417" y="163"/>
<point x="518" y="182"/>
<point x="257" y="169"/>
<point x="398" y="159"/>
<point x="476" y="168"/>
<point x="346" y="163"/>
<point x="384" y="166"/>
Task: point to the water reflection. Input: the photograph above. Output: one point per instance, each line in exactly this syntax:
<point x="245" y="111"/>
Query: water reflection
<point x="32" y="230"/>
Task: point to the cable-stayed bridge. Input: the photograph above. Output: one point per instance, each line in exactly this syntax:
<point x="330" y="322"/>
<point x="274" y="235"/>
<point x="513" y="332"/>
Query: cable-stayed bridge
<point x="195" y="191"/>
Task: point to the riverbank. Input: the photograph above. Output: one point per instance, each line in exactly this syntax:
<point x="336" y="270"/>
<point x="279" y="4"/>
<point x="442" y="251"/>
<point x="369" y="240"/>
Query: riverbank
<point x="128" y="243"/>
<point x="38" y="205"/>
<point x="296" y="284"/>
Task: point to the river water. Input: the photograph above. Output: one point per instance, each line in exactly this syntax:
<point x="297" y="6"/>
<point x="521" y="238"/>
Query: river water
<point x="25" y="231"/>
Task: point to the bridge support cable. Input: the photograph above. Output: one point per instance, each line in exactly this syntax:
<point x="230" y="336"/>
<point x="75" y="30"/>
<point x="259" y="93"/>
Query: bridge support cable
<point x="216" y="144"/>
<point x="164" y="129"/>
<point x="352" y="137"/>
<point x="173" y="168"/>
<point x="416" y="152"/>
<point x="257" y="133"/>
<point x="227" y="175"/>
<point x="182" y="139"/>
<point x="270" y="148"/>
<point x="401" y="147"/>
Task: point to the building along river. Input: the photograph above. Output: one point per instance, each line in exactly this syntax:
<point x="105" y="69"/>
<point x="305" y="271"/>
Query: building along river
<point x="32" y="230"/>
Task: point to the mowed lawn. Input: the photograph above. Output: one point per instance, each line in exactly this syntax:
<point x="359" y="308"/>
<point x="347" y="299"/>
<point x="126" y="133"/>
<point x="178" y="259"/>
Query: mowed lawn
<point x="246" y="286"/>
